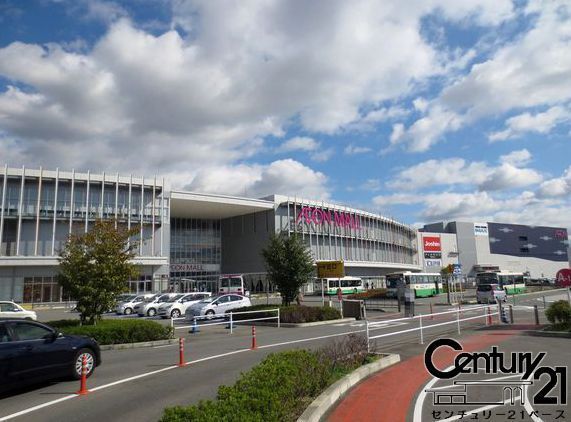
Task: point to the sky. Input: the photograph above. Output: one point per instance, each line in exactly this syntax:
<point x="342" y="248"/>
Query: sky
<point x="423" y="110"/>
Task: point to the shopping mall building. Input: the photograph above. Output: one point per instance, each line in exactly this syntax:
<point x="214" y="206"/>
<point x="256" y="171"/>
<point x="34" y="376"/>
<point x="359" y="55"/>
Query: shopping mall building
<point x="185" y="240"/>
<point x="539" y="251"/>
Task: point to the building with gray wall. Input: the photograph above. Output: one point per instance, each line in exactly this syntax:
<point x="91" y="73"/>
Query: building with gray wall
<point x="538" y="250"/>
<point x="186" y="240"/>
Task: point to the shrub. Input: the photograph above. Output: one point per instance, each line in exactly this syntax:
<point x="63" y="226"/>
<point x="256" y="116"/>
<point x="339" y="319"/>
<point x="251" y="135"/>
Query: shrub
<point x="559" y="312"/>
<point x="348" y="352"/>
<point x="279" y="388"/>
<point x="116" y="331"/>
<point x="290" y="314"/>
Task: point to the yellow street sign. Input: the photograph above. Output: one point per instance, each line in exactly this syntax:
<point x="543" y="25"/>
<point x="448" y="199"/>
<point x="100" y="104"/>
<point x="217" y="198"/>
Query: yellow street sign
<point x="330" y="269"/>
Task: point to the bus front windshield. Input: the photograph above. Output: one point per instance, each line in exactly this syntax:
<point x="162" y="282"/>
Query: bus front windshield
<point x="393" y="281"/>
<point x="487" y="278"/>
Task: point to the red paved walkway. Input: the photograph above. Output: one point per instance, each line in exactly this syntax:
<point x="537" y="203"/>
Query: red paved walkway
<point x="388" y="395"/>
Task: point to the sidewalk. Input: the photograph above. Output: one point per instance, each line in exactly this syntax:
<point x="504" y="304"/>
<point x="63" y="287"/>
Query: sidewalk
<point x="389" y="395"/>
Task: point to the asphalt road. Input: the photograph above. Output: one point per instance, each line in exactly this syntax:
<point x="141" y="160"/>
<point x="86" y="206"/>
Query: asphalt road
<point x="120" y="398"/>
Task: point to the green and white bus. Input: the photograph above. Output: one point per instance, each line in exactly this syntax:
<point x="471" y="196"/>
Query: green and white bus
<point x="348" y="285"/>
<point x="511" y="282"/>
<point x="423" y="284"/>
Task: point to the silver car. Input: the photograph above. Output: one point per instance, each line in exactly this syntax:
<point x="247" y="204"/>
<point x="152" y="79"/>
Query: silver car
<point x="216" y="305"/>
<point x="489" y="293"/>
<point x="127" y="307"/>
<point x="151" y="306"/>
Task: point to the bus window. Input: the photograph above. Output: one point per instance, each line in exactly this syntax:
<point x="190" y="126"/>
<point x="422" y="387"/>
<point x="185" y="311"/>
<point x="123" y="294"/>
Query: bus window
<point x="408" y="279"/>
<point x="518" y="279"/>
<point x="333" y="283"/>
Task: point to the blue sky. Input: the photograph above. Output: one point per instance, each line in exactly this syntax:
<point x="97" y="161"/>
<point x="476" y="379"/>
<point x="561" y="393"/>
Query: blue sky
<point x="422" y="109"/>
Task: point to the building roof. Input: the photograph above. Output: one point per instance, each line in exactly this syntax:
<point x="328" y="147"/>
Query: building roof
<point x="202" y="205"/>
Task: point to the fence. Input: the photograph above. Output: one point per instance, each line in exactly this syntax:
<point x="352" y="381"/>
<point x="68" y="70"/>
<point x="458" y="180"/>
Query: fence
<point x="487" y="315"/>
<point x="228" y="319"/>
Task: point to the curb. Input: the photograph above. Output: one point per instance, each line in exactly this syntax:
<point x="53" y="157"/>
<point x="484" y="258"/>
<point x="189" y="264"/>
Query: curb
<point x="296" y="325"/>
<point x="123" y="346"/>
<point x="326" y="400"/>
<point x="557" y="334"/>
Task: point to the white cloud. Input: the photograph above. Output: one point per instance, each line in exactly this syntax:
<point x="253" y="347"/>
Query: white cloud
<point x="287" y="177"/>
<point x="557" y="187"/>
<point x="529" y="72"/>
<point x="517" y="158"/>
<point x="299" y="144"/>
<point x="322" y="155"/>
<point x="372" y="185"/>
<point x="244" y="72"/>
<point x="440" y="172"/>
<point x="526" y="122"/>
<point x="508" y="176"/>
<point x="356" y="149"/>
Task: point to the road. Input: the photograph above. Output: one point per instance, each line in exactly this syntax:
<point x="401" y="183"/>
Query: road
<point x="161" y="383"/>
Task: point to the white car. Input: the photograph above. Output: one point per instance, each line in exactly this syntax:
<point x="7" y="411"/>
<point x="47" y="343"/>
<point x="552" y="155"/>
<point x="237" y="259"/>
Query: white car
<point x="217" y="305"/>
<point x="127" y="307"/>
<point x="150" y="306"/>
<point x="14" y="311"/>
<point x="178" y="305"/>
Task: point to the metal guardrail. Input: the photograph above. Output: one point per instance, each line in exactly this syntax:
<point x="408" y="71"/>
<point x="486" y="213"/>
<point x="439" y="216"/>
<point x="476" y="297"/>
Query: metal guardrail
<point x="230" y="319"/>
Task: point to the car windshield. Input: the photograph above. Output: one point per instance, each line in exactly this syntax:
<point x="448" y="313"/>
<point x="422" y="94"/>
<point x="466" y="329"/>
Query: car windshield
<point x="164" y="298"/>
<point x="139" y="298"/>
<point x="174" y="298"/>
<point x="128" y="298"/>
<point x="484" y="288"/>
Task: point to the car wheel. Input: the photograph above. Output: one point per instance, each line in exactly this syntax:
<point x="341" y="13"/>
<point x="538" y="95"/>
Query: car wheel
<point x="175" y="313"/>
<point x="78" y="362"/>
<point x="128" y="311"/>
<point x="151" y="312"/>
<point x="210" y="314"/>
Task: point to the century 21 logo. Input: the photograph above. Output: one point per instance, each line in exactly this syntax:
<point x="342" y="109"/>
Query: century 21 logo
<point x="525" y="363"/>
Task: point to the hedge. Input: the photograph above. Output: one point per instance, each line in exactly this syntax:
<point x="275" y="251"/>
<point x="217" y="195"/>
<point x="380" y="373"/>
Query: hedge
<point x="277" y="389"/>
<point x="370" y="294"/>
<point x="291" y="314"/>
<point x="110" y="331"/>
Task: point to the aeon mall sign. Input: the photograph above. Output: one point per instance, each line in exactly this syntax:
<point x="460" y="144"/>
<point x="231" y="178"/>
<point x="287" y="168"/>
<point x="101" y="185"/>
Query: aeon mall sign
<point x="320" y="216"/>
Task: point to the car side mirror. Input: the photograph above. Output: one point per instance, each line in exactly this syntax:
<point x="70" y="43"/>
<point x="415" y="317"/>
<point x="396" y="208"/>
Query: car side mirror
<point x="51" y="337"/>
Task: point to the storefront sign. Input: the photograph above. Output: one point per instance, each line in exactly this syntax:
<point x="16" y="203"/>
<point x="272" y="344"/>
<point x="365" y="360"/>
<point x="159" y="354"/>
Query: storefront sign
<point x="188" y="268"/>
<point x="433" y="263"/>
<point x="432" y="255"/>
<point x="320" y="216"/>
<point x="480" y="229"/>
<point x="330" y="269"/>
<point x="431" y="244"/>
<point x="563" y="277"/>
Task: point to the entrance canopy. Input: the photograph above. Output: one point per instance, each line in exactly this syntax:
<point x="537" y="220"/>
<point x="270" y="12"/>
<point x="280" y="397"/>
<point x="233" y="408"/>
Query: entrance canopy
<point x="207" y="206"/>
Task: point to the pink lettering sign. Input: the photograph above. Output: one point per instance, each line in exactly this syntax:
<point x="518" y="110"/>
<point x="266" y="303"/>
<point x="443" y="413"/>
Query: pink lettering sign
<point x="320" y="216"/>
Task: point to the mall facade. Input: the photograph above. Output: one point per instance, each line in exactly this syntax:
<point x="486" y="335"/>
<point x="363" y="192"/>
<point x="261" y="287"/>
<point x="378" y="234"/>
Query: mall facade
<point x="186" y="240"/>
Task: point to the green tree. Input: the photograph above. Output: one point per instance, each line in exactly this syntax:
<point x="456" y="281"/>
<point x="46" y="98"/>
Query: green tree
<point x="289" y="264"/>
<point x="95" y="267"/>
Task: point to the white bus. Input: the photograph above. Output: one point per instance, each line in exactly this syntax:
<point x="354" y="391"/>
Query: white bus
<point x="232" y="283"/>
<point x="348" y="285"/>
<point x="511" y="282"/>
<point x="423" y="284"/>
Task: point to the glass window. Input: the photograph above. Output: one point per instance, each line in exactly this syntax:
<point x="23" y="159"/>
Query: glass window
<point x="4" y="335"/>
<point x="25" y="331"/>
<point x="8" y="307"/>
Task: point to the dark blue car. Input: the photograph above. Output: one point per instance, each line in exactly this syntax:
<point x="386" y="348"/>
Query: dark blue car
<point x="32" y="352"/>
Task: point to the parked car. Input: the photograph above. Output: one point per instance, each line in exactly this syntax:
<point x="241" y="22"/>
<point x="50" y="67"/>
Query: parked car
<point x="489" y="293"/>
<point x="150" y="306"/>
<point x="175" y="307"/>
<point x="216" y="305"/>
<point x="14" y="311"/>
<point x="127" y="307"/>
<point x="31" y="352"/>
